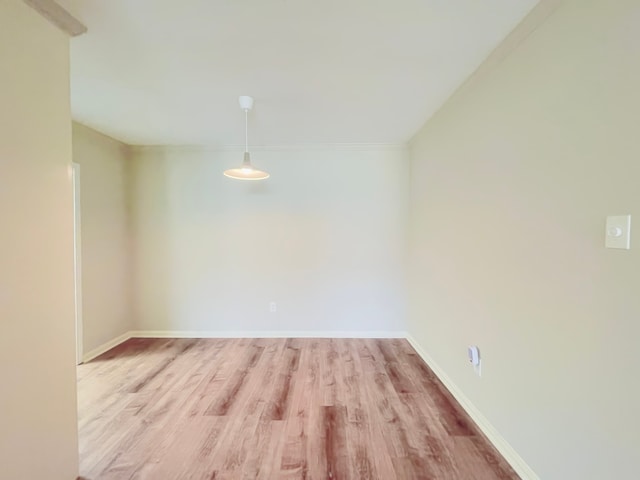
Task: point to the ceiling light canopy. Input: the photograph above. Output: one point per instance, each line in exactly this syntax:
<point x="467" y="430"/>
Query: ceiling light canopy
<point x="246" y="171"/>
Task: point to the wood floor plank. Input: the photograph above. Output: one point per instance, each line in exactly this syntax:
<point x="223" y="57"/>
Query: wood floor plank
<point x="304" y="409"/>
<point x="280" y="398"/>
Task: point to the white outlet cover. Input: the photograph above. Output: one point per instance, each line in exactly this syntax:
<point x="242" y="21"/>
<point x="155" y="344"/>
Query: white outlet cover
<point x="618" y="232"/>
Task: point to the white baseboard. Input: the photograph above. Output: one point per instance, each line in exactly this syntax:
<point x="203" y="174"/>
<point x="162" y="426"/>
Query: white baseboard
<point x="96" y="352"/>
<point x="498" y="441"/>
<point x="264" y="334"/>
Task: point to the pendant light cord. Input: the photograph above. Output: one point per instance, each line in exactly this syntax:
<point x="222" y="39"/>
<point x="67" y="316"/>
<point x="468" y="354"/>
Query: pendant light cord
<point x="246" y="131"/>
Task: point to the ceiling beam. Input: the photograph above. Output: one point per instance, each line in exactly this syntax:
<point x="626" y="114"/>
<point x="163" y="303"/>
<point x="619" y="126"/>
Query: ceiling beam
<point x="57" y="15"/>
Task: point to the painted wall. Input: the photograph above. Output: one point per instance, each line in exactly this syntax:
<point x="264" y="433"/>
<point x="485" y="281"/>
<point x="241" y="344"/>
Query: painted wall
<point x="38" y="424"/>
<point x="511" y="184"/>
<point x="106" y="240"/>
<point x="324" y="237"/>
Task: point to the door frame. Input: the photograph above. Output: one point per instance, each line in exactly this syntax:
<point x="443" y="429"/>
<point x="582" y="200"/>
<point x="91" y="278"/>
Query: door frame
<point x="77" y="248"/>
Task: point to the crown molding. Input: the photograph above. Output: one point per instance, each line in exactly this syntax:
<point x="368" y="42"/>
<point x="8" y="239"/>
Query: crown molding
<point x="339" y="147"/>
<point x="58" y="16"/>
<point x="529" y="24"/>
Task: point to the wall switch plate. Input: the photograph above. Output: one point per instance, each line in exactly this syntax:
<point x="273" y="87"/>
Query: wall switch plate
<point x="618" y="232"/>
<point x="273" y="307"/>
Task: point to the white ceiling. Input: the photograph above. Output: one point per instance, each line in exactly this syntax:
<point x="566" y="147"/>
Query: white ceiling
<point x="169" y="72"/>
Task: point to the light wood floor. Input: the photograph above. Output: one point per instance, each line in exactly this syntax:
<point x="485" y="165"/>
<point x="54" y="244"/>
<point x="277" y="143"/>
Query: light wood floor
<point x="274" y="409"/>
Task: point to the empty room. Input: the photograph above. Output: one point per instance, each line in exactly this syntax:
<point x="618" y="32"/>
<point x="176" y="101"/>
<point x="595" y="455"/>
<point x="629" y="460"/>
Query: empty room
<point x="286" y="239"/>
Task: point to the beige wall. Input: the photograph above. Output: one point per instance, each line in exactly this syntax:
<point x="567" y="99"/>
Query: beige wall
<point x="324" y="237"/>
<point x="38" y="438"/>
<point x="106" y="239"/>
<point x="511" y="184"/>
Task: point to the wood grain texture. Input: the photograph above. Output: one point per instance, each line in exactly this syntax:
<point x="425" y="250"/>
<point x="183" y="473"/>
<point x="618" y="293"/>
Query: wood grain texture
<point x="302" y="409"/>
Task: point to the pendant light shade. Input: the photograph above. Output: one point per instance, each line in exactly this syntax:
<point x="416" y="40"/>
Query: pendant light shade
<point x="246" y="171"/>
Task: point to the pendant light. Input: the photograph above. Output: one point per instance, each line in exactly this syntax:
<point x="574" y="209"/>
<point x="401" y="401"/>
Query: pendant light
<point x="246" y="171"/>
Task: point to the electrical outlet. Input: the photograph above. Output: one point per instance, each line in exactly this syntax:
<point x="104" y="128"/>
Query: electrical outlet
<point x="273" y="307"/>
<point x="474" y="358"/>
